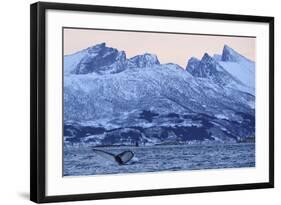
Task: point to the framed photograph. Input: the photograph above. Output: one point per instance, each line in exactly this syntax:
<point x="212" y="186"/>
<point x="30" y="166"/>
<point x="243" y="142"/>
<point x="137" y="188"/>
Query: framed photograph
<point x="129" y="102"/>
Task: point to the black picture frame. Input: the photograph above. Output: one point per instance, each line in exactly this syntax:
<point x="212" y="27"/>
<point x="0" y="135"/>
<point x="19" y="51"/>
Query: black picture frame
<point x="38" y="101"/>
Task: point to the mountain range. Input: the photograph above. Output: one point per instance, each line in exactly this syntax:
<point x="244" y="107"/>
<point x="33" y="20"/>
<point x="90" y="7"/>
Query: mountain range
<point x="110" y="99"/>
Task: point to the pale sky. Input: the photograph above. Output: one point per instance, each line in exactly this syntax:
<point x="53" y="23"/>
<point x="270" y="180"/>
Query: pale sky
<point x="169" y="48"/>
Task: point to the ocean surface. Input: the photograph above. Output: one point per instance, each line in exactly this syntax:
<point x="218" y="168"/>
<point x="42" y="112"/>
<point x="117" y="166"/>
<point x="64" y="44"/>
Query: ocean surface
<point x="79" y="161"/>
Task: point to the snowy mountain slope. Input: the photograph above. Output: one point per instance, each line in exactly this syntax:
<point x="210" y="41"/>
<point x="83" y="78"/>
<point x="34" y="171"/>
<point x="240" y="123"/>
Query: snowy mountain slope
<point x="71" y="61"/>
<point x="238" y="66"/>
<point x="244" y="73"/>
<point x="160" y="88"/>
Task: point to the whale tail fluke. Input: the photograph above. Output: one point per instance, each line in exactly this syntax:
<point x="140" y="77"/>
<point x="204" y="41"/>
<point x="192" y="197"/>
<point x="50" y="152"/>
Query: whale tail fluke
<point x="121" y="159"/>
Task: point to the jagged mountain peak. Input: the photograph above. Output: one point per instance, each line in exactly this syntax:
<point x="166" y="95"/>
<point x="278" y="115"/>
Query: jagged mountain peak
<point x="145" y="60"/>
<point x="147" y="56"/>
<point x="229" y="69"/>
<point x="192" y="65"/>
<point x="206" y="56"/>
<point x="99" y="45"/>
<point x="229" y="54"/>
<point x="98" y="58"/>
<point x="102" y="59"/>
<point x="205" y="67"/>
<point x="121" y="56"/>
<point x="96" y="47"/>
<point x="193" y="59"/>
<point x="208" y="59"/>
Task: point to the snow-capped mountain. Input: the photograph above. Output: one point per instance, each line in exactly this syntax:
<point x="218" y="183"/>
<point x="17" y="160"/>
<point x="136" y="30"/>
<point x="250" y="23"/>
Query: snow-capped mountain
<point x="101" y="59"/>
<point x="228" y="69"/>
<point x="97" y="59"/>
<point x="109" y="99"/>
<point x="209" y="68"/>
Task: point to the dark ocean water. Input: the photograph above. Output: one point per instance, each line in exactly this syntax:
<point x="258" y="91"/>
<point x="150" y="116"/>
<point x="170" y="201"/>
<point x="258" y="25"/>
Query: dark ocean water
<point x="79" y="161"/>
